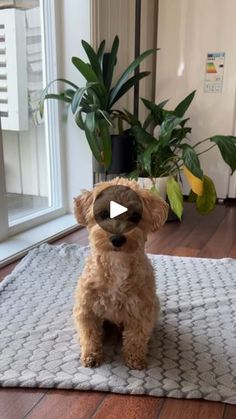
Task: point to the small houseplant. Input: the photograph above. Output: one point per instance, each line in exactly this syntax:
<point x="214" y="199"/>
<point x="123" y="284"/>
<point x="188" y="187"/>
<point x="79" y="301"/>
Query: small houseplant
<point x="93" y="104"/>
<point x="169" y="154"/>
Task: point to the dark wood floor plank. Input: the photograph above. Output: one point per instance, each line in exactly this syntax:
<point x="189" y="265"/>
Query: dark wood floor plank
<point x="191" y="409"/>
<point x="117" y="406"/>
<point x="79" y="236"/>
<point x="230" y="412"/>
<point x="63" y="404"/>
<point x="167" y="230"/>
<point x="174" y="233"/>
<point x="232" y="253"/>
<point x="221" y="242"/>
<point x="16" y="403"/>
<point x="6" y="270"/>
<point x="185" y="251"/>
<point x="205" y="228"/>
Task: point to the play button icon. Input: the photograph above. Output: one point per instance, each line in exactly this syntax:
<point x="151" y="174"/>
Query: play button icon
<point x="116" y="209"/>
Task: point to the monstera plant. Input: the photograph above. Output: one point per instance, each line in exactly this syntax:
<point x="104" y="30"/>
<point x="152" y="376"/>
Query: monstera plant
<point x="93" y="104"/>
<point x="170" y="154"/>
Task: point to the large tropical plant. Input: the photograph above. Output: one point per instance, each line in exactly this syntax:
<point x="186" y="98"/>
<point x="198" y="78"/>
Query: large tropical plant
<point x="169" y="152"/>
<point x="93" y="104"/>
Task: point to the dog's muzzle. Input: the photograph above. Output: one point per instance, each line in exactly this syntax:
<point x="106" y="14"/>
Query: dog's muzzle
<point x="118" y="240"/>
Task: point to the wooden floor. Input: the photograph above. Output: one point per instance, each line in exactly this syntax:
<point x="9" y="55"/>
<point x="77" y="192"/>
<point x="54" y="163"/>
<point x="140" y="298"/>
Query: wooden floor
<point x="213" y="236"/>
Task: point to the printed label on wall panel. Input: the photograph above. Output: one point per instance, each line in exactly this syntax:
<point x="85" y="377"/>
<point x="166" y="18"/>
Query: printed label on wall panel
<point x="214" y="72"/>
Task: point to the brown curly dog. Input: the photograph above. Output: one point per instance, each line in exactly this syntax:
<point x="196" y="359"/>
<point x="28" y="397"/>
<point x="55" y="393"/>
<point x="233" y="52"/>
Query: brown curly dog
<point x="117" y="283"/>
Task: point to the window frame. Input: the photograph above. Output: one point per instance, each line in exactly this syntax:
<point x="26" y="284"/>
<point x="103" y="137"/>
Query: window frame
<point x="52" y="118"/>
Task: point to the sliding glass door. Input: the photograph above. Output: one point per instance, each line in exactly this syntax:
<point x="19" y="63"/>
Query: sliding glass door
<point x="31" y="187"/>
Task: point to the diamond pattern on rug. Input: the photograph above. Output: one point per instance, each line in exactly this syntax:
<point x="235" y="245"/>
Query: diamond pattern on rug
<point x="192" y="353"/>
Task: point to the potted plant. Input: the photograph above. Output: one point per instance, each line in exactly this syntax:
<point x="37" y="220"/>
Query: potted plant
<point x="165" y="156"/>
<point x="93" y="104"/>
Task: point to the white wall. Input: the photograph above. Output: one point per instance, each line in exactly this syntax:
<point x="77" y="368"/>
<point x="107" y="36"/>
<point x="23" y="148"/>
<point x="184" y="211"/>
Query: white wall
<point x="75" y="26"/>
<point x="187" y="31"/>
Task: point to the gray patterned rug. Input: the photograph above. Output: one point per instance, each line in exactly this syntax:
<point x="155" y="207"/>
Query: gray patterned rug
<point x="192" y="353"/>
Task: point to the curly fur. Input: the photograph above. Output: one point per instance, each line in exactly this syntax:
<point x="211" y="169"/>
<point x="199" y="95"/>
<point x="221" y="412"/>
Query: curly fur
<point x="117" y="284"/>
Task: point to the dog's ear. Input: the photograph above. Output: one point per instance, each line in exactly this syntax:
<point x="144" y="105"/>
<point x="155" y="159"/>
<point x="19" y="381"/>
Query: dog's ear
<point x="156" y="208"/>
<point x="81" y="206"/>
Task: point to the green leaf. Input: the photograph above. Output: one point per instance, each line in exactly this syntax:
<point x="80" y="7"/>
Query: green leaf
<point x="79" y="120"/>
<point x="63" y="81"/>
<point x="100" y="53"/>
<point x="191" y="160"/>
<point x="182" y="124"/>
<point x="142" y="136"/>
<point x="227" y="147"/>
<point x="184" y="105"/>
<point x="96" y="99"/>
<point x="106" y="116"/>
<point x="93" y="144"/>
<point x="60" y="96"/>
<point x="90" y="121"/>
<point x="146" y="156"/>
<point x="130" y="118"/>
<point x="85" y="69"/>
<point x="192" y="196"/>
<point x="156" y="115"/>
<point x="92" y="56"/>
<point x="66" y="82"/>
<point x="206" y="202"/>
<point x="134" y="174"/>
<point x="148" y="121"/>
<point x="84" y="106"/>
<point x="179" y="134"/>
<point x="69" y="93"/>
<point x="78" y="96"/>
<point x="167" y="128"/>
<point x="124" y="77"/>
<point x="45" y="92"/>
<point x="127" y="86"/>
<point x="153" y="107"/>
<point x="105" y="139"/>
<point x="110" y="63"/>
<point x="175" y="196"/>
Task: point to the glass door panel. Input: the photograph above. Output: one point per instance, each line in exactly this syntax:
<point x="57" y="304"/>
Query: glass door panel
<point x="26" y="138"/>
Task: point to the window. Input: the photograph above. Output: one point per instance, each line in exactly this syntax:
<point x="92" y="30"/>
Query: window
<point x="30" y="167"/>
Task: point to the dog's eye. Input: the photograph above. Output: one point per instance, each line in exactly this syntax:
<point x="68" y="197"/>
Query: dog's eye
<point x="135" y="217"/>
<point x="104" y="214"/>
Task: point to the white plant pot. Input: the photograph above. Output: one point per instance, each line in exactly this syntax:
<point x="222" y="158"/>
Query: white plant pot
<point x="160" y="184"/>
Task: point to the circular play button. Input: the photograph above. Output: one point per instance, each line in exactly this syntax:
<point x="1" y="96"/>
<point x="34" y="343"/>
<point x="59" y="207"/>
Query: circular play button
<point x="117" y="209"/>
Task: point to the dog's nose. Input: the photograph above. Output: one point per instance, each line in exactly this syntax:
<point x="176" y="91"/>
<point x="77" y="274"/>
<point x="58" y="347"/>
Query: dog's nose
<point x="118" y="240"/>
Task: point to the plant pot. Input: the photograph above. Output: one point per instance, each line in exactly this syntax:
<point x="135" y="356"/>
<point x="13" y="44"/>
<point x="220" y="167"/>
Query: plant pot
<point x="160" y="184"/>
<point x="123" y="156"/>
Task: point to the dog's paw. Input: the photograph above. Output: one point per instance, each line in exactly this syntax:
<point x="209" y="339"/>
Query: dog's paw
<point x="91" y="360"/>
<point x="135" y="362"/>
